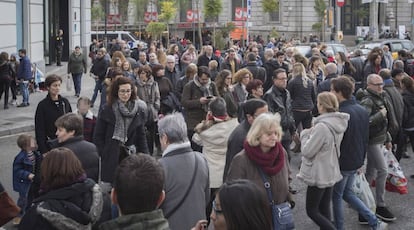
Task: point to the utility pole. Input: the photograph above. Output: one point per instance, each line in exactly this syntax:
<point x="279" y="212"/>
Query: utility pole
<point x="373" y="20"/>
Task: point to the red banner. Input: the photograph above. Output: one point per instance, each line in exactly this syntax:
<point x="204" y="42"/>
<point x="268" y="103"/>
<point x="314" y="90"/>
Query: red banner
<point x="192" y="16"/>
<point x="150" y="17"/>
<point x="240" y="14"/>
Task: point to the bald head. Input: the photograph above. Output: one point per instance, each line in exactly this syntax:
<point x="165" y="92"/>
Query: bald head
<point x="331" y="68"/>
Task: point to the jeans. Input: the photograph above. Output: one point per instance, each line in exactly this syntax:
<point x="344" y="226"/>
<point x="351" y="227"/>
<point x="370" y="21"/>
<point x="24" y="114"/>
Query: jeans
<point x="376" y="162"/>
<point x="22" y="202"/>
<point x="77" y="80"/>
<point x="24" y="89"/>
<point x="343" y="190"/>
<point x="318" y="202"/>
<point x="98" y="88"/>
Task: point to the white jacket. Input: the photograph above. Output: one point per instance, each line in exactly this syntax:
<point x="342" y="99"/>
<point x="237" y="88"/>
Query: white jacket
<point x="214" y="142"/>
<point x="320" y="161"/>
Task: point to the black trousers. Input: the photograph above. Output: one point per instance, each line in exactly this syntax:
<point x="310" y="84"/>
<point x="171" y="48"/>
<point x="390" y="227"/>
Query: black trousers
<point x="58" y="55"/>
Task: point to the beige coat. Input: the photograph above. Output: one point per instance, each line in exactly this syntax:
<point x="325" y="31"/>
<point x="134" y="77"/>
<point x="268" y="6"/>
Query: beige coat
<point x="214" y="142"/>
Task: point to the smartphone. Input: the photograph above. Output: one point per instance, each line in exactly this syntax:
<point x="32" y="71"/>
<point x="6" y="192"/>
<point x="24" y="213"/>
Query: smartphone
<point x="209" y="97"/>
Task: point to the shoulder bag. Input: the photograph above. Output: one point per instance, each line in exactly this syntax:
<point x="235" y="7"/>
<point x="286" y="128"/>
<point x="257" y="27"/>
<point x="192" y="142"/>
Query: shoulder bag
<point x="282" y="215"/>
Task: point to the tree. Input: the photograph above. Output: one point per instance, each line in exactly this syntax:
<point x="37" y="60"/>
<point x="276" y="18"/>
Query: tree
<point x="320" y="9"/>
<point x="123" y="11"/>
<point x="168" y="12"/>
<point x="362" y="13"/>
<point x="140" y="8"/>
<point x="212" y="9"/>
<point x="97" y="14"/>
<point x="270" y="6"/>
<point x="156" y="29"/>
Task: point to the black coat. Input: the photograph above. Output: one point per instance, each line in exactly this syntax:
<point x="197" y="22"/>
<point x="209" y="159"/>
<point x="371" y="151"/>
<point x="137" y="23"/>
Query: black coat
<point x="47" y="112"/>
<point x="257" y="71"/>
<point x="100" y="67"/>
<point x="203" y="60"/>
<point x="279" y="101"/>
<point x="408" y="119"/>
<point x="108" y="148"/>
<point x="87" y="153"/>
<point x="72" y="207"/>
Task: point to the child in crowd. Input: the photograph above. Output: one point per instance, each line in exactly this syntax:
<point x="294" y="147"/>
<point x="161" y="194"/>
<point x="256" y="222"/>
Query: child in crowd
<point x="89" y="120"/>
<point x="24" y="168"/>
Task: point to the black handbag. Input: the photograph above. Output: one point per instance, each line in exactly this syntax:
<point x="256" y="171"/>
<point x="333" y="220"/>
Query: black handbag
<point x="282" y="215"/>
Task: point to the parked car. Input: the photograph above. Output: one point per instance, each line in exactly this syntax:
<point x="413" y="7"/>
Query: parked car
<point x="332" y="47"/>
<point x="395" y="45"/>
<point x="131" y="39"/>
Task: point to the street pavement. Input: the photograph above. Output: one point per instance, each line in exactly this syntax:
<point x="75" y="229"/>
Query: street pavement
<point x="18" y="120"/>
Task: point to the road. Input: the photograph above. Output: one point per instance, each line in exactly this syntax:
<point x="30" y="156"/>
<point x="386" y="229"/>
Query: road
<point x="401" y="205"/>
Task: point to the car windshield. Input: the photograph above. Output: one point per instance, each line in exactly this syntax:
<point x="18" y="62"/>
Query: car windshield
<point x="303" y="49"/>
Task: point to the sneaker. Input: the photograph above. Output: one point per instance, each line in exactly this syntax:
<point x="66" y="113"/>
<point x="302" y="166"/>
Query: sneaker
<point x="13" y="102"/>
<point x="23" y="105"/>
<point x="362" y="220"/>
<point x="384" y="214"/>
<point x="380" y="226"/>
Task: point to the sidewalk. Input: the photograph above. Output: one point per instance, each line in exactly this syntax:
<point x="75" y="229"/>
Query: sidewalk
<point x="17" y="120"/>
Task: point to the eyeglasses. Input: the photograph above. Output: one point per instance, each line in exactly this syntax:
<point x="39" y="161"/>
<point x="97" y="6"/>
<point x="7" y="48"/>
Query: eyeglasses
<point x="216" y="211"/>
<point x="123" y="91"/>
<point x="377" y="84"/>
<point x="282" y="79"/>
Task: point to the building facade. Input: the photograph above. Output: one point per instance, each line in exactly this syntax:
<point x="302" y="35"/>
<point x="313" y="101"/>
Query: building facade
<point x="33" y="25"/>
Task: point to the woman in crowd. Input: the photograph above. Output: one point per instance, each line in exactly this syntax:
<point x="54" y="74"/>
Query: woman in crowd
<point x="407" y="84"/>
<point x="264" y="156"/>
<point x="303" y="96"/>
<point x="189" y="56"/>
<point x="315" y="70"/>
<point x="165" y="87"/>
<point x="126" y="68"/>
<point x="117" y="56"/>
<point x="241" y="79"/>
<point x="239" y="205"/>
<point x="297" y="57"/>
<point x="6" y="75"/>
<point x="120" y="126"/>
<point x="175" y="51"/>
<point x="69" y="200"/>
<point x="77" y="65"/>
<point x="373" y="65"/>
<point x="255" y="89"/>
<point x="190" y="73"/>
<point x="48" y="111"/>
<point x="13" y="84"/>
<point x="225" y="90"/>
<point x="213" y="133"/>
<point x="320" y="166"/>
<point x="344" y="65"/>
<point x="147" y="90"/>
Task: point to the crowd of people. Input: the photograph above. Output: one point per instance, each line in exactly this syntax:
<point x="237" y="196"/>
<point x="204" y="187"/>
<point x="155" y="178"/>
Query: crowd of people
<point x="184" y="139"/>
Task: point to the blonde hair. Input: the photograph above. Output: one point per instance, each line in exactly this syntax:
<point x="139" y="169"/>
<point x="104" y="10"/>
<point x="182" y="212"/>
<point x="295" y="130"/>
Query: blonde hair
<point x="238" y="76"/>
<point x="298" y="69"/>
<point x="262" y="124"/>
<point x="328" y="101"/>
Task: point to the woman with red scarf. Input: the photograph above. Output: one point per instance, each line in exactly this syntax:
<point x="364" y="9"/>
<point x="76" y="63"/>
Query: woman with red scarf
<point x="263" y="152"/>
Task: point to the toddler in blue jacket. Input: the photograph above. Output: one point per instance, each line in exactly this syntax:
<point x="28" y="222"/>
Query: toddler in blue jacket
<point x="24" y="165"/>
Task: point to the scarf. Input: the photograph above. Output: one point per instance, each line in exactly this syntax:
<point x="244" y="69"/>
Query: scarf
<point x="205" y="89"/>
<point x="124" y="113"/>
<point x="271" y="163"/>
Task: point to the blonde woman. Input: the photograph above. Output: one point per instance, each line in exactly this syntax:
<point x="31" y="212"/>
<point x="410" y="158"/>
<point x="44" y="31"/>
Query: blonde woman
<point x="264" y="156"/>
<point x="320" y="165"/>
<point x="303" y="96"/>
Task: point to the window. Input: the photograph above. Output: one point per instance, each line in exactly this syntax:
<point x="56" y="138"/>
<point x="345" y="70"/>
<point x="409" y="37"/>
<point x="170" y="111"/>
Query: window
<point x="274" y="16"/>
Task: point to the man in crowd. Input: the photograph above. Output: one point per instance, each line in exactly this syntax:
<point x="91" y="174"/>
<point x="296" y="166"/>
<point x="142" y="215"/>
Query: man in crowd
<point x="208" y="55"/>
<point x="138" y="193"/>
<point x="24" y="75"/>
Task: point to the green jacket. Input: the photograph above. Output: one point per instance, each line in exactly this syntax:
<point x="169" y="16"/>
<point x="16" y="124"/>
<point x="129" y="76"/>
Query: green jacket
<point x="153" y="220"/>
<point x="378" y="124"/>
<point x="77" y="63"/>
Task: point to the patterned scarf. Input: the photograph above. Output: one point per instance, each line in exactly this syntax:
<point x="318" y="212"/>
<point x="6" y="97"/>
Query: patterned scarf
<point x="272" y="162"/>
<point x="124" y="113"/>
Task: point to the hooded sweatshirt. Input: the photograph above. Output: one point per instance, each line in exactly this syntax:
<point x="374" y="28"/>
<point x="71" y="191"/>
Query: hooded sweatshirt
<point x="321" y="150"/>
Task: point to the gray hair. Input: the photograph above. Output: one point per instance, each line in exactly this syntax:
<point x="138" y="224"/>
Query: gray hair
<point x="398" y="64"/>
<point x="174" y="127"/>
<point x="170" y="58"/>
<point x="268" y="53"/>
<point x="331" y="68"/>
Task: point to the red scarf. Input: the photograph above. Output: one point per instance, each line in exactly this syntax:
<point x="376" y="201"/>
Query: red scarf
<point x="271" y="162"/>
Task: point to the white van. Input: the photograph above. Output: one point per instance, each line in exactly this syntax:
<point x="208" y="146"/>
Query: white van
<point x="131" y="39"/>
